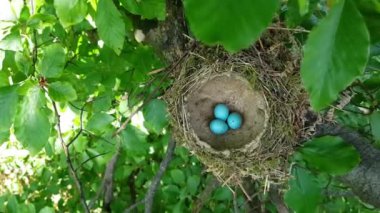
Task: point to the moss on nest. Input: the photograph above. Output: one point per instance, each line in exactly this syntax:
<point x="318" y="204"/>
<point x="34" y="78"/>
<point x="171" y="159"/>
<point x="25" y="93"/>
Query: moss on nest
<point x="271" y="69"/>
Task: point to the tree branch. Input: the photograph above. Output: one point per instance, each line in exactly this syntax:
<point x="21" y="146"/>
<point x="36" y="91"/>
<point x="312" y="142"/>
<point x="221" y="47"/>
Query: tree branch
<point x="72" y="172"/>
<point x="149" y="198"/>
<point x="155" y="183"/>
<point x="362" y="144"/>
<point x="107" y="181"/>
<point x="363" y="179"/>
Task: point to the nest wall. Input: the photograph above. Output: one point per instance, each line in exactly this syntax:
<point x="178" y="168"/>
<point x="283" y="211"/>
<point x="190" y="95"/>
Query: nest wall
<point x="270" y="68"/>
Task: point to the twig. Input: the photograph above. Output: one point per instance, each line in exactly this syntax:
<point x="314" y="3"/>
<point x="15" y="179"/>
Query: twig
<point x="107" y="180"/>
<point x="205" y="194"/>
<point x="289" y="29"/>
<point x="70" y="61"/>
<point x="156" y="71"/>
<point x="35" y="47"/>
<point x="90" y="158"/>
<point x="81" y="127"/>
<point x="129" y="209"/>
<point x="236" y="207"/>
<point x="65" y="148"/>
<point x="72" y="172"/>
<point x="245" y="192"/>
<point x="148" y="200"/>
<point x="76" y="107"/>
<point x="250" y="199"/>
<point x="155" y="183"/>
<point x="97" y="136"/>
<point x="32" y="7"/>
<point x="125" y="123"/>
<point x="151" y="96"/>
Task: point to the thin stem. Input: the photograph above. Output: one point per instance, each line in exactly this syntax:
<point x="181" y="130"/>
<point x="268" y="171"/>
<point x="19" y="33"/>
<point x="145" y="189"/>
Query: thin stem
<point x="81" y="127"/>
<point x="72" y="172"/>
<point x="91" y="158"/>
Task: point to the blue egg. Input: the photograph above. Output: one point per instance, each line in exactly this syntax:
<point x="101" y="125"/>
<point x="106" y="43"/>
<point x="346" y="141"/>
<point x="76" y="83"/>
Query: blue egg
<point x="234" y="120"/>
<point x="218" y="127"/>
<point x="221" y="112"/>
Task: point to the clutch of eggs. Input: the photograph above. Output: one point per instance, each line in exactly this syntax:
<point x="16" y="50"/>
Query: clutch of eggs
<point x="224" y="120"/>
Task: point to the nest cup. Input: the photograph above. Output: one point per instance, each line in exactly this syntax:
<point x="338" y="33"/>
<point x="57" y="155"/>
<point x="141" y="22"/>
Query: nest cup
<point x="263" y="84"/>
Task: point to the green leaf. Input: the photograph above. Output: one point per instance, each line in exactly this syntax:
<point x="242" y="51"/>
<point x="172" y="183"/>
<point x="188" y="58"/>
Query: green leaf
<point x="32" y="126"/>
<point x="24" y="15"/>
<point x="155" y="115"/>
<point x="193" y="183"/>
<point x="53" y="61"/>
<point x="149" y="9"/>
<point x="8" y="107"/>
<point x="12" y="206"/>
<point x="70" y="12"/>
<point x="134" y="140"/>
<point x="330" y="154"/>
<point x="111" y="27"/>
<point x="2" y="57"/>
<point x="235" y="25"/>
<point x="335" y="54"/>
<point x="26" y="208"/>
<point x="4" y="136"/>
<point x="370" y="10"/>
<point x="303" y="6"/>
<point x="47" y="209"/>
<point x="299" y="11"/>
<point x="99" y="121"/>
<point x="222" y="194"/>
<point x="375" y="125"/>
<point x="143" y="59"/>
<point x="23" y="63"/>
<point x="62" y="91"/>
<point x="41" y="21"/>
<point x="102" y="103"/>
<point x="303" y="187"/>
<point x="177" y="176"/>
<point x="81" y="143"/>
<point x="4" y="81"/>
<point x="11" y="42"/>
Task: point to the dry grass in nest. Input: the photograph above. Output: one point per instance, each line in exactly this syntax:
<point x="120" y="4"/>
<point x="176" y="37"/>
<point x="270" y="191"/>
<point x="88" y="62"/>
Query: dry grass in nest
<point x="272" y="68"/>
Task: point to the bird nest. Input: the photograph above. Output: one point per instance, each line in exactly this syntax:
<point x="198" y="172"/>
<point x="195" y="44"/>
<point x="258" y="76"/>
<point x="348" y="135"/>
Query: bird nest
<point x="263" y="84"/>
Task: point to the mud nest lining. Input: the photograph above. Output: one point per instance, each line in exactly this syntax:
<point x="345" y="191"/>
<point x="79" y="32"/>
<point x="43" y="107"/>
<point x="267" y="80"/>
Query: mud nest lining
<point x="263" y="84"/>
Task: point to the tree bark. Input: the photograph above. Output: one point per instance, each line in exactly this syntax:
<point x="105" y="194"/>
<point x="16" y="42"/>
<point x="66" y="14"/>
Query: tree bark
<point x="168" y="38"/>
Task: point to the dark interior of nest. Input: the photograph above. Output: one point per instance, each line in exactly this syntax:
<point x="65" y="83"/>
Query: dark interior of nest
<point x="237" y="93"/>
